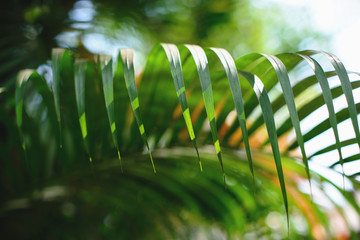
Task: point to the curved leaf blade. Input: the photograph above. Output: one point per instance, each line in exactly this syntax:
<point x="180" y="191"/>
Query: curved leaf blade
<point x="346" y="86"/>
<point x="265" y="104"/>
<point x="79" y="78"/>
<point x="284" y="80"/>
<point x="233" y="78"/>
<point x="173" y="56"/>
<point x="201" y="63"/>
<point x="108" y="88"/>
<point x="320" y="75"/>
<point x="127" y="57"/>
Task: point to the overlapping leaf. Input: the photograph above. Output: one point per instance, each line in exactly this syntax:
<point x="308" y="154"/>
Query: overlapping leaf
<point x="173" y="56"/>
<point x="346" y="86"/>
<point x="200" y="59"/>
<point x="232" y="75"/>
<point x="320" y="75"/>
<point x="265" y="104"/>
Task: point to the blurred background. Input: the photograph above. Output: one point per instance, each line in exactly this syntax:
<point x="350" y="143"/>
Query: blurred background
<point x="31" y="28"/>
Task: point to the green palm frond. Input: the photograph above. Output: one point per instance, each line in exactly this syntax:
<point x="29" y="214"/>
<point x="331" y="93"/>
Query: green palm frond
<point x="86" y="97"/>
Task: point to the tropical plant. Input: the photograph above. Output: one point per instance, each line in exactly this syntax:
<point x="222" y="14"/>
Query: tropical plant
<point x="87" y="151"/>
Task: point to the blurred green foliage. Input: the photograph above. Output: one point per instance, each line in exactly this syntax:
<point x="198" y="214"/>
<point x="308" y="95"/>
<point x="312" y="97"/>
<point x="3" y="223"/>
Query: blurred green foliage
<point x="29" y="29"/>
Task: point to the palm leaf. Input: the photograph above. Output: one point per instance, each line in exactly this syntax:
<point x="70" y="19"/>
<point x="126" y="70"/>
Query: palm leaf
<point x="284" y="80"/>
<point x="127" y="57"/>
<point x="232" y="75"/>
<point x="319" y="72"/>
<point x="173" y="55"/>
<point x="264" y="101"/>
<point x="80" y="76"/>
<point x="200" y="59"/>
<point x="346" y="86"/>
<point x="108" y="87"/>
